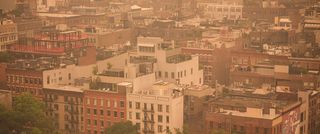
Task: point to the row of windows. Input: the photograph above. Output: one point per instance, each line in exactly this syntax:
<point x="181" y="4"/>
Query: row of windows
<point x="100" y="123"/>
<point x="160" y="118"/>
<point x="23" y="90"/>
<point x="102" y="102"/>
<point x="54" y="80"/>
<point x="146" y="49"/>
<point x="160" y="128"/>
<point x="108" y="113"/>
<point x="8" y="38"/>
<point x="180" y="74"/>
<point x="23" y="80"/>
<point x="225" y="9"/>
<point x="149" y="107"/>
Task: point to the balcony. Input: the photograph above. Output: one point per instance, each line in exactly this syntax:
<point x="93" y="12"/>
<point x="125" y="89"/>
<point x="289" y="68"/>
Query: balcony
<point x="36" y="50"/>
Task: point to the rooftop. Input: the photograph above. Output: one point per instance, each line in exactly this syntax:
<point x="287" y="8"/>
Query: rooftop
<point x="57" y="15"/>
<point x="66" y="88"/>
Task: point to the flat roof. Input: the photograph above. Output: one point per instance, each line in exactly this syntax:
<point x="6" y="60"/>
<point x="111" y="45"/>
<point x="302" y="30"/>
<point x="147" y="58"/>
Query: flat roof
<point x="66" y="88"/>
<point x="57" y="15"/>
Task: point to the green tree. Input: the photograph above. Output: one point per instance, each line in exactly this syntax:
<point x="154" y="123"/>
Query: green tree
<point x="122" y="128"/>
<point x="26" y="116"/>
<point x="94" y="70"/>
<point x="218" y="131"/>
<point x="109" y="65"/>
<point x="184" y="131"/>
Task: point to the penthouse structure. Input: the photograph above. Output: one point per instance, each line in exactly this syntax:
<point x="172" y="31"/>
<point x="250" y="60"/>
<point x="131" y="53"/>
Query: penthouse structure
<point x="171" y="65"/>
<point x="59" y="43"/>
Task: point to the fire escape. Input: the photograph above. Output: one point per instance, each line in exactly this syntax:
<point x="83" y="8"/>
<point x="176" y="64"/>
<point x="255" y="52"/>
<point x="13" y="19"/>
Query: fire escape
<point x="74" y="114"/>
<point x="148" y="120"/>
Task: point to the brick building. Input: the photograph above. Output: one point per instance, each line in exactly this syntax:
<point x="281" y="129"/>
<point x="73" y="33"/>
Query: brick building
<point x="65" y="105"/>
<point x="103" y="108"/>
<point x="252" y="113"/>
<point x="19" y="80"/>
<point x="254" y="69"/>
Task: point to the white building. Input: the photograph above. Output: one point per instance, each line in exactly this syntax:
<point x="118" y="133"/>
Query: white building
<point x="8" y="34"/>
<point x="157" y="110"/>
<point x="171" y="65"/>
<point x="222" y="9"/>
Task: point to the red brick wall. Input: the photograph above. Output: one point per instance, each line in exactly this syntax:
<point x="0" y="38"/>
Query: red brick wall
<point x="3" y="78"/>
<point x="19" y="85"/>
<point x="89" y="57"/>
<point x="102" y="95"/>
<point x="229" y="122"/>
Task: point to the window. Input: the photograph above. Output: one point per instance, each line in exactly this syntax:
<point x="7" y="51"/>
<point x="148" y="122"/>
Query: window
<point x="138" y="116"/>
<point x="69" y="76"/>
<point x="159" y="74"/>
<point x="88" y="101"/>
<point x="172" y="75"/>
<point x="191" y="71"/>
<point x="95" y="111"/>
<point x="121" y="115"/>
<point x="108" y="103"/>
<point x="130" y="104"/>
<point x="89" y="121"/>
<point x="95" y="122"/>
<point x="301" y="117"/>
<point x="185" y="73"/>
<point x="167" y="119"/>
<point x="130" y="115"/>
<point x="152" y="107"/>
<point x="121" y="103"/>
<point x="115" y="113"/>
<point x="108" y="113"/>
<point x="101" y="123"/>
<point x="160" y="129"/>
<point x="94" y="102"/>
<point x="159" y="108"/>
<point x="166" y="74"/>
<point x="257" y="130"/>
<point x="101" y="102"/>
<point x="159" y="118"/>
<point x="137" y="105"/>
<point x="265" y="130"/>
<point x="88" y="110"/>
<point x="115" y="104"/>
<point x="167" y="108"/>
<point x="101" y="112"/>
